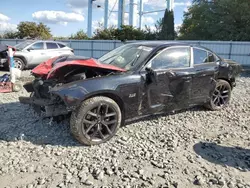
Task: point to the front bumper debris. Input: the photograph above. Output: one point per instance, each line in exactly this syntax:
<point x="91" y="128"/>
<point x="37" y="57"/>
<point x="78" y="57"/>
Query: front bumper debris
<point x="45" y="107"/>
<point x="35" y="101"/>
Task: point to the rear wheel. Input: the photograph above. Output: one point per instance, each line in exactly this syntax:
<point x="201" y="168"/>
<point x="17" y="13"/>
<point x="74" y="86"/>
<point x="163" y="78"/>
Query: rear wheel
<point x="221" y="96"/>
<point x="96" y="121"/>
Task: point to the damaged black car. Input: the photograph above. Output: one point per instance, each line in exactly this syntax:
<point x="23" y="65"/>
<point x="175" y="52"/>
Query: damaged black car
<point x="132" y="81"/>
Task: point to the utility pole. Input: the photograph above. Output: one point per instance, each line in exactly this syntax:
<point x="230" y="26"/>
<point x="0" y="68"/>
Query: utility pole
<point x="131" y="12"/>
<point x="170" y="6"/>
<point x="106" y="10"/>
<point x="121" y="7"/>
<point x="140" y="14"/>
<point x="90" y="2"/>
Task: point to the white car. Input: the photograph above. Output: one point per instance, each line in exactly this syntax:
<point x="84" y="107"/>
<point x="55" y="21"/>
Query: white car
<point x="31" y="53"/>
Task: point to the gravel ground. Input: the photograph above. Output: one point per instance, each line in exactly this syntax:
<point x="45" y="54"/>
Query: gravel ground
<point x="193" y="148"/>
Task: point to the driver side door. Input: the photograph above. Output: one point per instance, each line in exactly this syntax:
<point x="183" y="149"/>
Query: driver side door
<point x="168" y="84"/>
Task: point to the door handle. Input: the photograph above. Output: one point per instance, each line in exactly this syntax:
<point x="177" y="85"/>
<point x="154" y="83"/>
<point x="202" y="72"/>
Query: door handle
<point x="42" y="53"/>
<point x="186" y="78"/>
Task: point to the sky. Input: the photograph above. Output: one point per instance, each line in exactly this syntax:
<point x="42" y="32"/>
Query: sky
<point x="65" y="17"/>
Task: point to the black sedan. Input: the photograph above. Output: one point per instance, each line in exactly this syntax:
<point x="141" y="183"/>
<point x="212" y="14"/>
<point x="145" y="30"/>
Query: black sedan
<point x="132" y="81"/>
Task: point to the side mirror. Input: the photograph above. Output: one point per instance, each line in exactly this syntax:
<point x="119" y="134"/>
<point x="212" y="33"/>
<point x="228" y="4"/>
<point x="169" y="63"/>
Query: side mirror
<point x="151" y="75"/>
<point x="29" y="49"/>
<point x="149" y="69"/>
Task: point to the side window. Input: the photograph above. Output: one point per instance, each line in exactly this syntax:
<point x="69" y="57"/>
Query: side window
<point x="200" y="56"/>
<point x="51" y="45"/>
<point x="61" y="45"/>
<point x="176" y="57"/>
<point x="37" y="46"/>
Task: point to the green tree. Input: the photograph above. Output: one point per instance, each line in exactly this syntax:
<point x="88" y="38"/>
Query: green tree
<point x="166" y="26"/>
<point x="125" y="33"/>
<point x="33" y="30"/>
<point x="217" y="20"/>
<point x="106" y="34"/>
<point x="60" y="38"/>
<point x="79" y="35"/>
<point x="43" y="31"/>
<point x="128" y="32"/>
<point x="151" y="34"/>
<point x="10" y="35"/>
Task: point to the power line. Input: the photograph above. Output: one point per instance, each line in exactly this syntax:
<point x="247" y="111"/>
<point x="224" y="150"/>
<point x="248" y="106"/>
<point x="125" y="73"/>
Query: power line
<point x="112" y="9"/>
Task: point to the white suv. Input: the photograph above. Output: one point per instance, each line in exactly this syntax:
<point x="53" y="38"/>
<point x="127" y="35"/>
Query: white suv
<point x="31" y="53"/>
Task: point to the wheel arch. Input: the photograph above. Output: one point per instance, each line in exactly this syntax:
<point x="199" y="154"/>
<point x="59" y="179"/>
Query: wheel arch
<point x="22" y="58"/>
<point x="230" y="81"/>
<point x="114" y="97"/>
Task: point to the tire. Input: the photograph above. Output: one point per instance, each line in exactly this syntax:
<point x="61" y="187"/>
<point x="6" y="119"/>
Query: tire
<point x="96" y="121"/>
<point x="221" y="96"/>
<point x="19" y="63"/>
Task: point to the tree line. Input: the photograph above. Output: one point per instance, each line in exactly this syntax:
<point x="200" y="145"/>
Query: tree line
<point x="163" y="31"/>
<point x="204" y="20"/>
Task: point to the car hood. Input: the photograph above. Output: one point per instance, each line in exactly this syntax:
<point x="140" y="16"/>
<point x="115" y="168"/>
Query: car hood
<point x="230" y="61"/>
<point x="50" y="68"/>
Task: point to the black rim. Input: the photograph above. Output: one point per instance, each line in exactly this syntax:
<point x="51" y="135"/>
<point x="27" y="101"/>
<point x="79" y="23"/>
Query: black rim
<point x="221" y="95"/>
<point x="99" y="123"/>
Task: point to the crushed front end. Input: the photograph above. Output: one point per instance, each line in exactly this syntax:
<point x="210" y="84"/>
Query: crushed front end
<point x="57" y="72"/>
<point x="44" y="102"/>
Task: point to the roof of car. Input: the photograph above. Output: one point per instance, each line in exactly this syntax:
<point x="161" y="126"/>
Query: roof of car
<point x="43" y="41"/>
<point x="155" y="44"/>
<point x="159" y="43"/>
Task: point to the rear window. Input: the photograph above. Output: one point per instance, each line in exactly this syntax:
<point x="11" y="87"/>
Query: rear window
<point x="51" y="45"/>
<point x="61" y="45"/>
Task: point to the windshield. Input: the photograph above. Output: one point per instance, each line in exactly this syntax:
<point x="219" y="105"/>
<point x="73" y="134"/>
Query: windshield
<point x="125" y="56"/>
<point x="23" y="45"/>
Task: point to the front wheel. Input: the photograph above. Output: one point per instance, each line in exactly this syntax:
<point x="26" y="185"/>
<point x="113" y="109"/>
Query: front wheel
<point x="96" y="121"/>
<point x="221" y="96"/>
<point x="19" y="63"/>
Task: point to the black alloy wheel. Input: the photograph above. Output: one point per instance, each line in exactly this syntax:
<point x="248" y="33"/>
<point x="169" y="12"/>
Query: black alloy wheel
<point x="221" y="95"/>
<point x="96" y="121"/>
<point x="99" y="122"/>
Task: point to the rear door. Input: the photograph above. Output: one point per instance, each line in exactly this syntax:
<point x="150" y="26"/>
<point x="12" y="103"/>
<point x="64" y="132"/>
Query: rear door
<point x="206" y="67"/>
<point x="52" y="49"/>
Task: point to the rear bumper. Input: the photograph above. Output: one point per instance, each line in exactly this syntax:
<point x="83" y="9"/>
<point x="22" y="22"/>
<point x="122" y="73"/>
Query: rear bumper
<point x="45" y="107"/>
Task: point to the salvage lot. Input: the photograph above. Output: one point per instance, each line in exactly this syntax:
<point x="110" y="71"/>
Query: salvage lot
<point x="165" y="150"/>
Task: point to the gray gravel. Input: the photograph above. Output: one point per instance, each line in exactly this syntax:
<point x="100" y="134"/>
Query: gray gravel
<point x="193" y="148"/>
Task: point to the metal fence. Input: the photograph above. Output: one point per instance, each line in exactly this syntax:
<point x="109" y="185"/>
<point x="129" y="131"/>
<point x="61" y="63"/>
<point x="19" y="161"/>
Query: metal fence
<point x="238" y="51"/>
